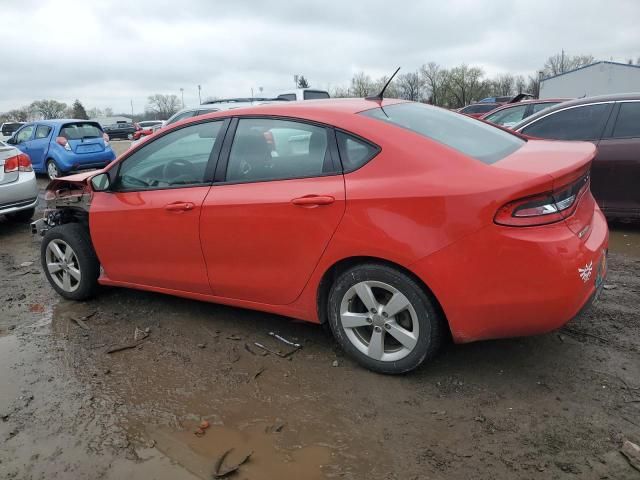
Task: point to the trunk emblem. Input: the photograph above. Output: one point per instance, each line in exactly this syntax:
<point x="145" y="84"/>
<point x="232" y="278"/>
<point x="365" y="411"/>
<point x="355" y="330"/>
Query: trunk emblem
<point x="585" y="272"/>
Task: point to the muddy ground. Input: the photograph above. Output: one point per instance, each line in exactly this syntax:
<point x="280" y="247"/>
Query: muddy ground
<point x="550" y="407"/>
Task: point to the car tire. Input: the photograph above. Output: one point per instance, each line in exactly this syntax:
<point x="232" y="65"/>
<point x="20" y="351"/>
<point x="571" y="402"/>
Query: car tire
<point x="22" y="215"/>
<point x="72" y="273"/>
<point x="371" y="339"/>
<point x="53" y="171"/>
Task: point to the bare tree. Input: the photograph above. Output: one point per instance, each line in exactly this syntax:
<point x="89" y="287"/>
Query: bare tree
<point x="504" y="84"/>
<point x="560" y="63"/>
<point x="533" y="85"/>
<point x="340" y="92"/>
<point x="302" y="82"/>
<point x="49" y="109"/>
<point x="434" y="79"/>
<point x="521" y="84"/>
<point x="361" y="85"/>
<point x="22" y="114"/>
<point x="410" y="86"/>
<point x="163" y="105"/>
<point x="465" y="84"/>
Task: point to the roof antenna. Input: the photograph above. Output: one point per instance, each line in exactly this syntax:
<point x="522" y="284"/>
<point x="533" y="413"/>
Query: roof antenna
<point x="380" y="95"/>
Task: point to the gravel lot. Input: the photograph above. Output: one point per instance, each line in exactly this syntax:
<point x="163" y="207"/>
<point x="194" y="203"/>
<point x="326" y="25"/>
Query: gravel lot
<point x="549" y="407"/>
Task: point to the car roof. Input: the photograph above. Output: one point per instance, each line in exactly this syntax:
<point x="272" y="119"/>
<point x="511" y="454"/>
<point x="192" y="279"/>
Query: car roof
<point x="578" y="101"/>
<point x="60" y="121"/>
<point x="525" y="102"/>
<point x="334" y="111"/>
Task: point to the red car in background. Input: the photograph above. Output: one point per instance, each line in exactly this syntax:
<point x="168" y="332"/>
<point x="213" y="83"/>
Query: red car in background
<point x="478" y="109"/>
<point x="146" y="127"/>
<point x="400" y="224"/>
<point x="509" y="115"/>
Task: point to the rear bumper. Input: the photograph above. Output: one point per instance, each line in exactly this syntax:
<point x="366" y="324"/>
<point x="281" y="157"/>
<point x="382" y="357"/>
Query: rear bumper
<point x="83" y="161"/>
<point x="19" y="195"/>
<point x="507" y="282"/>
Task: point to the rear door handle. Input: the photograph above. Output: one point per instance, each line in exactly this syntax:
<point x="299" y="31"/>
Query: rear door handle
<point x="179" y="206"/>
<point x="313" y="200"/>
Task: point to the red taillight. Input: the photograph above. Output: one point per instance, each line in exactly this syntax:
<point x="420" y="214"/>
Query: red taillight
<point x="545" y="208"/>
<point x="62" y="141"/>
<point x="19" y="163"/>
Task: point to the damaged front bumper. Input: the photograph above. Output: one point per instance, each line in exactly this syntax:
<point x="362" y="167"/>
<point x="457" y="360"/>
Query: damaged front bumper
<point x="39" y="227"/>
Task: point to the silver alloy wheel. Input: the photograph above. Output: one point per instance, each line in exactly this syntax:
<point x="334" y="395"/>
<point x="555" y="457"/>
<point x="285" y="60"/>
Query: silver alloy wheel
<point x="52" y="170"/>
<point x="63" y="265"/>
<point x="379" y="321"/>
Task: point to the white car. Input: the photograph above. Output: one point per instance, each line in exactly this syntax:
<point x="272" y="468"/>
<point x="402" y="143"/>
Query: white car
<point x="304" y="94"/>
<point x="18" y="187"/>
<point x="7" y="129"/>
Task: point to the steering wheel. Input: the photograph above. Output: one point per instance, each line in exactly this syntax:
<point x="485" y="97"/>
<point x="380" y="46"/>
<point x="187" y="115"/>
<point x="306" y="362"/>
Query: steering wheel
<point x="178" y="168"/>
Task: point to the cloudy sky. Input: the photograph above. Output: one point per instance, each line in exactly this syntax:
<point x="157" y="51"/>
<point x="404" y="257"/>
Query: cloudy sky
<point x="110" y="53"/>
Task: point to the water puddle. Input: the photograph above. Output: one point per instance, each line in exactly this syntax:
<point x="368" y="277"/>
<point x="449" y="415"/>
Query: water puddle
<point x="625" y="239"/>
<point x="267" y="460"/>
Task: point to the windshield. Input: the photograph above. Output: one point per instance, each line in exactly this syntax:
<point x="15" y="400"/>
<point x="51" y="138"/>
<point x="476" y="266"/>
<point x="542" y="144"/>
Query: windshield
<point x="80" y="130"/>
<point x="471" y="137"/>
<point x="10" y="128"/>
<point x="479" y="108"/>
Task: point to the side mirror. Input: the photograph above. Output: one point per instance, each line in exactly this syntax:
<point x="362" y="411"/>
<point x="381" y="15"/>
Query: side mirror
<point x="101" y="182"/>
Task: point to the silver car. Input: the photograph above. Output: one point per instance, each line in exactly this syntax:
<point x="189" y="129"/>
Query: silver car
<point x="18" y="187"/>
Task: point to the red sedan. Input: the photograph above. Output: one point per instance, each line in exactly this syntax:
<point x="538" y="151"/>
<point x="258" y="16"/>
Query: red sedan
<point x="397" y="223"/>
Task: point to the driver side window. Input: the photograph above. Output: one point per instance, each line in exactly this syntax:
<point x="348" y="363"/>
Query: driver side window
<point x="177" y="159"/>
<point x="24" y="134"/>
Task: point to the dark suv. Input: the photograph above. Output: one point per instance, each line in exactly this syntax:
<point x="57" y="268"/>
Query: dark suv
<point x="612" y="122"/>
<point x="120" y="130"/>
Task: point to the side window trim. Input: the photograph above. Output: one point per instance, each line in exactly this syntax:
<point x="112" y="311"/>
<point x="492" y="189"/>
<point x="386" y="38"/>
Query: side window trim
<point x="223" y="162"/>
<point x="213" y="157"/>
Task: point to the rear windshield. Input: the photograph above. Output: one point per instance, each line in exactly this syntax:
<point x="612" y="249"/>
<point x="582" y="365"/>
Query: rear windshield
<point x="467" y="135"/>
<point x="80" y="130"/>
<point x="9" y="128"/>
<point x="315" y="94"/>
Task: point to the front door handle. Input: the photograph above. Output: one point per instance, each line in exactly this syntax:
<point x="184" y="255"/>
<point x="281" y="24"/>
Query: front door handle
<point x="179" y="206"/>
<point x="313" y="200"/>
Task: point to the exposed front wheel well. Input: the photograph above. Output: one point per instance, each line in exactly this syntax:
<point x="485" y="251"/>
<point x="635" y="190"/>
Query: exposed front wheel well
<point x="337" y="268"/>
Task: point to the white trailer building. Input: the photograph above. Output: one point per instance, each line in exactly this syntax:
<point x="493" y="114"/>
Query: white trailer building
<point x="600" y="78"/>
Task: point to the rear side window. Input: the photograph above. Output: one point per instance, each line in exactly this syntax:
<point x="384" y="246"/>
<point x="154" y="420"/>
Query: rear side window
<point x="510" y="115"/>
<point x="628" y="122"/>
<point x="182" y="116"/>
<point x="541" y="106"/>
<point x="580" y="123"/>
<point x="80" y="130"/>
<point x="479" y="108"/>
<point x="354" y="152"/>
<point x="476" y="139"/>
<point x="287" y="96"/>
<point x="315" y="94"/>
<point x="42" y="131"/>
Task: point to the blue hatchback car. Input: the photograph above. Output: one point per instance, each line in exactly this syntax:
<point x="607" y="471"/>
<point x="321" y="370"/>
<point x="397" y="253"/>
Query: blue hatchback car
<point x="57" y="147"/>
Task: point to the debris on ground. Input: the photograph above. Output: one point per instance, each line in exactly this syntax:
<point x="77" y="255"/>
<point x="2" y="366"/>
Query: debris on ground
<point x="202" y="345"/>
<point x="220" y="471"/>
<point x="284" y="340"/>
<point x="80" y="323"/>
<point x="139" y="337"/>
<point x="259" y="372"/>
<point x="608" y="286"/>
<point x="36" y="308"/>
<point x="335" y="363"/>
<point x="139" y="334"/>
<point x="200" y="431"/>
<point x="26" y="264"/>
<point x="234" y="337"/>
<point x="275" y="428"/>
<point x="632" y="453"/>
